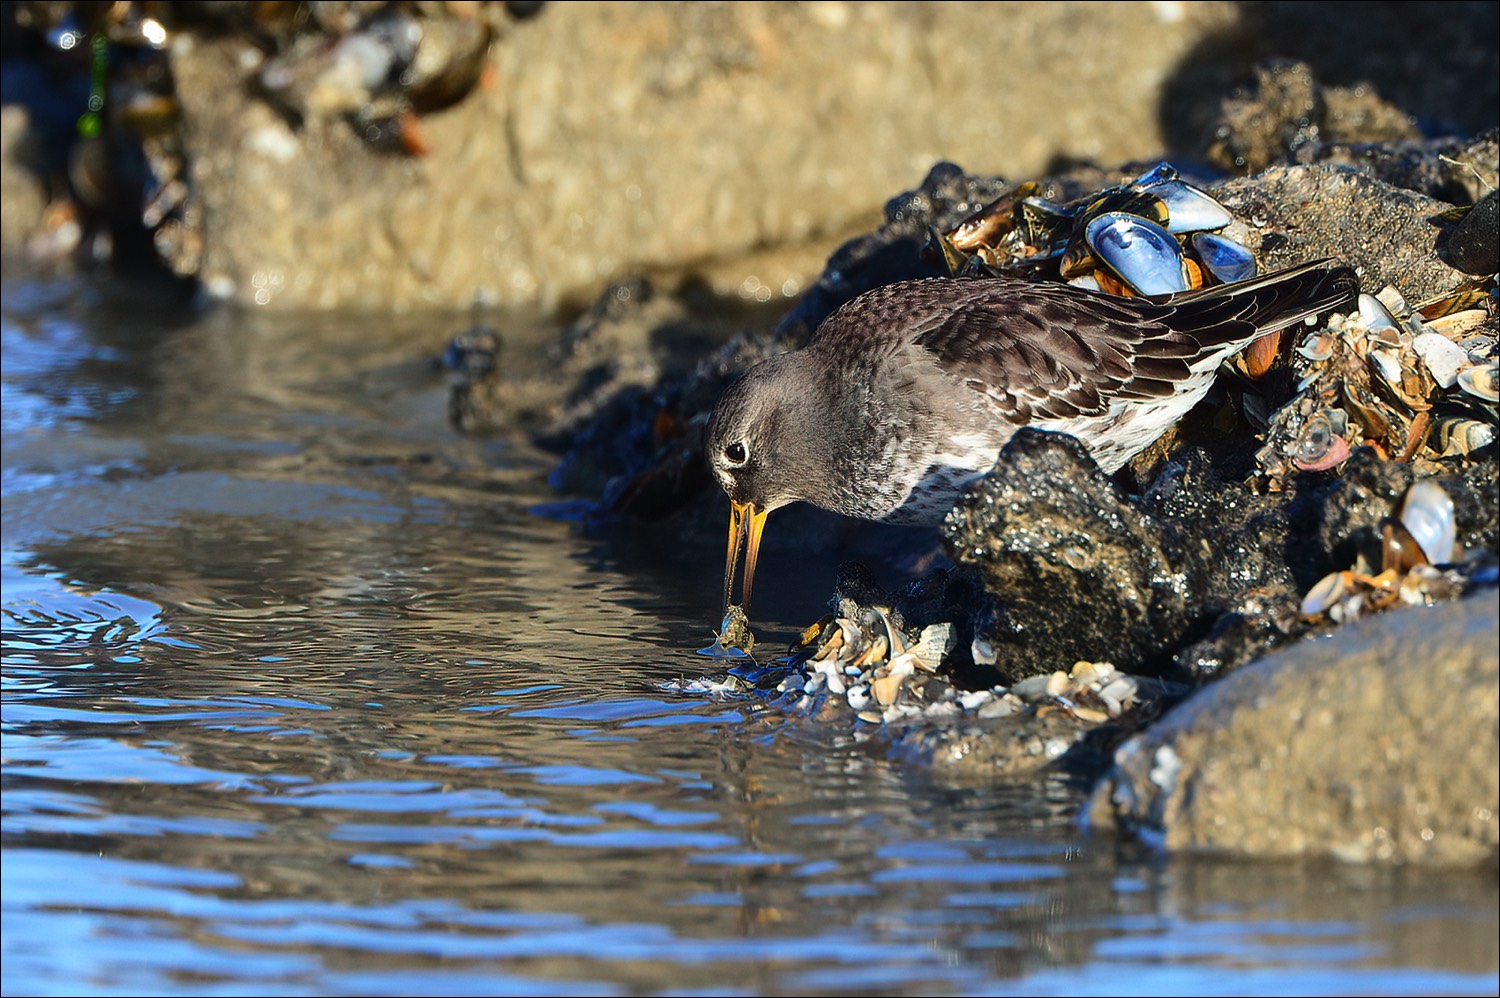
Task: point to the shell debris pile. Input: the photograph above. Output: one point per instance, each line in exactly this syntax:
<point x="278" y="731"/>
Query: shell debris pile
<point x="1421" y="563"/>
<point x="1412" y="382"/>
<point x="864" y="662"/>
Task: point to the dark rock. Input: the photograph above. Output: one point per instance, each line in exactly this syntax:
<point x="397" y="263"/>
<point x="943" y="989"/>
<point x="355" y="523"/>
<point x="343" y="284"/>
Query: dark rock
<point x="1474" y="245"/>
<point x="1450" y="169"/>
<point x="1352" y="506"/>
<point x="1196" y="577"/>
<point x="1079" y="572"/>
<point x="1258" y="623"/>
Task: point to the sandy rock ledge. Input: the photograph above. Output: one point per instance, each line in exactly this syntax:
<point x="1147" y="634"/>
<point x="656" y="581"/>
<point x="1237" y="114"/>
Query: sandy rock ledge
<point x="1378" y="744"/>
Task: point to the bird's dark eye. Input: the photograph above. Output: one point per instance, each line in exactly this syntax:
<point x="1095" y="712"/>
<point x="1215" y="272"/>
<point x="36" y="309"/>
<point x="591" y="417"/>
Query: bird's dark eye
<point x="736" y="453"/>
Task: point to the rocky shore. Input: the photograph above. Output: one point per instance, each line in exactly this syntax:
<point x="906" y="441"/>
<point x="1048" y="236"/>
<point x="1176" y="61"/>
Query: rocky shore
<point x="1248" y="641"/>
<point x="1227" y="582"/>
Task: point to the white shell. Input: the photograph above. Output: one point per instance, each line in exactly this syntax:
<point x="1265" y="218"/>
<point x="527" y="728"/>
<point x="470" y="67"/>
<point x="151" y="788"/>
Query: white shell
<point x="1188" y="208"/>
<point x="1455" y="324"/>
<point x="934" y="644"/>
<point x="1318" y="345"/>
<point x="1479" y="381"/>
<point x="1427" y="512"/>
<point x="1392" y="300"/>
<point x="1443" y="357"/>
<point x="1388" y="363"/>
<point x="1466" y="436"/>
<point x="1326" y="593"/>
<point x="1374" y="315"/>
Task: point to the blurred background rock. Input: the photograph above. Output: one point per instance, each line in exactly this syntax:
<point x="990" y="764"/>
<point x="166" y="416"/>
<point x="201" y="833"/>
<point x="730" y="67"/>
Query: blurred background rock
<point x="398" y="156"/>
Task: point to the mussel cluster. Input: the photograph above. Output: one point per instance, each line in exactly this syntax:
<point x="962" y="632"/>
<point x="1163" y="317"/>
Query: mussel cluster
<point x="1408" y="381"/>
<point x="1155" y="235"/>
<point x="1420" y="563"/>
<point x="125" y="155"/>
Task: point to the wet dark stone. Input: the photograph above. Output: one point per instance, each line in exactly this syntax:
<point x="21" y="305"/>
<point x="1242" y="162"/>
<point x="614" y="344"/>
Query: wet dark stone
<point x="1195" y="577"/>
<point x="1079" y="572"/>
<point x="1352" y="506"/>
<point x="1474" y="244"/>
<point x="1258" y="626"/>
<point x="1475" y="491"/>
<point x="1239" y="540"/>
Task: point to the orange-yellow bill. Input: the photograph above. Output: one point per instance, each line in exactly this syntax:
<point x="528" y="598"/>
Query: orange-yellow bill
<point x="745" y="525"/>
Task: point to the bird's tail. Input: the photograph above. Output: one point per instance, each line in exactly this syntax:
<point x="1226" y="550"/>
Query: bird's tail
<point x="1272" y="302"/>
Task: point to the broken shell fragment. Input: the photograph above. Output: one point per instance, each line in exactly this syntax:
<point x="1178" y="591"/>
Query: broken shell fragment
<point x="1376" y="317"/>
<point x="1427" y="512"/>
<point x="1456" y="324"/>
<point x="1328" y="591"/>
<point x="1480" y="381"/>
<point x="1226" y="259"/>
<point x="1318" y="346"/>
<point x="989" y="224"/>
<point x="874" y="651"/>
<point x="1444" y="358"/>
<point x="934" y="644"/>
<point x="886" y="688"/>
<point x="1459" y="437"/>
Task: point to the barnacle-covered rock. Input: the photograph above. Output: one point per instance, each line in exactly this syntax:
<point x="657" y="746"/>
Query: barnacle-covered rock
<point x="1080" y="572"/>
<point x="1288" y="214"/>
<point x="1413" y="383"/>
<point x="1288" y="109"/>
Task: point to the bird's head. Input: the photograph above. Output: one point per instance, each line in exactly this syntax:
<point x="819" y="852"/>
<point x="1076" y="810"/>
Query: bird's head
<point x="765" y="443"/>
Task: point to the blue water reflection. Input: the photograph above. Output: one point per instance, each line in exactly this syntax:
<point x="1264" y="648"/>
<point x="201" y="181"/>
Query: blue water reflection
<point x="300" y="697"/>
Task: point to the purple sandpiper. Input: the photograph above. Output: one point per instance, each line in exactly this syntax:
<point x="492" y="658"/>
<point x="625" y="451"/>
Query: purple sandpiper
<point x="908" y="392"/>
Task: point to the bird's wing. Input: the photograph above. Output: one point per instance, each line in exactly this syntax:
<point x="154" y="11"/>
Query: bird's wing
<point x="1053" y="351"/>
<point x="1050" y="351"/>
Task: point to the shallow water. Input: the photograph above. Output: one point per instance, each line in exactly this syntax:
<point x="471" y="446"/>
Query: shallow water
<point x="303" y="695"/>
